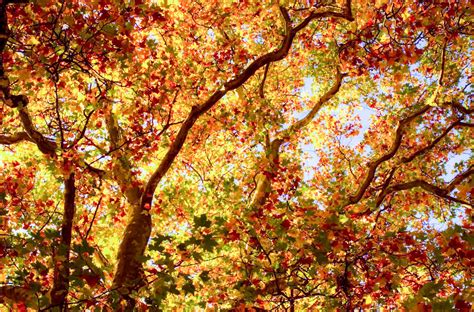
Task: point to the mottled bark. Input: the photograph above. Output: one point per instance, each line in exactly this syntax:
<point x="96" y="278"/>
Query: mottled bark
<point x="138" y="228"/>
<point x="128" y="274"/>
<point x="268" y="170"/>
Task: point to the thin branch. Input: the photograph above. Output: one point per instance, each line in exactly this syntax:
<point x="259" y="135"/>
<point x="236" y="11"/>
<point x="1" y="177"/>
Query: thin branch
<point x="93" y="217"/>
<point x="430" y="188"/>
<point x="57" y="110"/>
<point x="385" y="185"/>
<point x="83" y="131"/>
<point x="101" y="173"/>
<point x="443" y="63"/>
<point x="339" y="148"/>
<point x="385" y="190"/>
<point x="49" y="219"/>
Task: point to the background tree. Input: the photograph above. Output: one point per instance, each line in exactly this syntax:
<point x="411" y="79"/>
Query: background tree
<point x="239" y="154"/>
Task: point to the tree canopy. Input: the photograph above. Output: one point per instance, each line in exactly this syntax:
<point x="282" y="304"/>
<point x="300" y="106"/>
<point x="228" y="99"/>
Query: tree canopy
<point x="236" y="155"/>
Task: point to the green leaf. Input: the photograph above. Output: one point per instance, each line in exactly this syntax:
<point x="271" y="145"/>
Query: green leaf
<point x="189" y="288"/>
<point x="429" y="290"/>
<point x="157" y="241"/>
<point x="204" y="276"/>
<point x="196" y="256"/>
<point x="208" y="243"/>
<point x="202" y="221"/>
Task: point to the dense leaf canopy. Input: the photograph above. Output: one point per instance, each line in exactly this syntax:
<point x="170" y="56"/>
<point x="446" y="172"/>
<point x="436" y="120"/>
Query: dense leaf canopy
<point x="186" y="155"/>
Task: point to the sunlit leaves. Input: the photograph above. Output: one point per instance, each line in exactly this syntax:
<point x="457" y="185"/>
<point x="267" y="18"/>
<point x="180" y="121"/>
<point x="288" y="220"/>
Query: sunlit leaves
<point x="112" y="82"/>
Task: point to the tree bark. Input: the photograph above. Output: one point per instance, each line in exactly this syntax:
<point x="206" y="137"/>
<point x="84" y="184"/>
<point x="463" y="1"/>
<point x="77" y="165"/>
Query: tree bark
<point x="60" y="288"/>
<point x="138" y="229"/>
<point x="129" y="274"/>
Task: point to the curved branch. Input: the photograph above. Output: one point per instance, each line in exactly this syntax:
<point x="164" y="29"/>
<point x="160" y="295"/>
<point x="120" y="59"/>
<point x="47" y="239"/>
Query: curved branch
<point x="432" y="144"/>
<point x="30" y="134"/>
<point x="300" y="124"/>
<point x="138" y="229"/>
<point x="433" y="189"/>
<point x="14" y="138"/>
<point x="19" y="101"/>
<point x="384" y="188"/>
<point x="44" y="144"/>
<point x="393" y="150"/>
<point x="232" y="84"/>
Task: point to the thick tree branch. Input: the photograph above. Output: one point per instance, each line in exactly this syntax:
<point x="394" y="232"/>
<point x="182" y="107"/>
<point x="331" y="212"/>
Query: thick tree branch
<point x="466" y="124"/>
<point x="432" y="144"/>
<point x="14" y="138"/>
<point x="459" y="178"/>
<point x="398" y="140"/>
<point x="272" y="149"/>
<point x="122" y="166"/>
<point x="461" y="108"/>
<point x="433" y="189"/>
<point x="139" y="225"/>
<point x="234" y="83"/>
<point x="297" y="126"/>
<point x="19" y="101"/>
<point x="408" y="159"/>
<point x="393" y="150"/>
<point x="44" y="144"/>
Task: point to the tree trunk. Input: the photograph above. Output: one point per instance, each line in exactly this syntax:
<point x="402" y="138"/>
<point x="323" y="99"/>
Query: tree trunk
<point x="129" y="272"/>
<point x="61" y="259"/>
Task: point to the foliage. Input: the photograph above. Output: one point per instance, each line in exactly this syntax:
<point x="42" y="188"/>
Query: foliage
<point x="301" y="155"/>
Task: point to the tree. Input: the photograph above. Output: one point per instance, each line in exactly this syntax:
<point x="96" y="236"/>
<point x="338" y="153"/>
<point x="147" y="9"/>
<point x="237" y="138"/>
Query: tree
<point x="155" y="154"/>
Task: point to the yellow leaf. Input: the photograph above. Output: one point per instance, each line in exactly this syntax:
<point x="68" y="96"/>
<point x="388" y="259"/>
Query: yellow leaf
<point x="33" y="41"/>
<point x="368" y="300"/>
